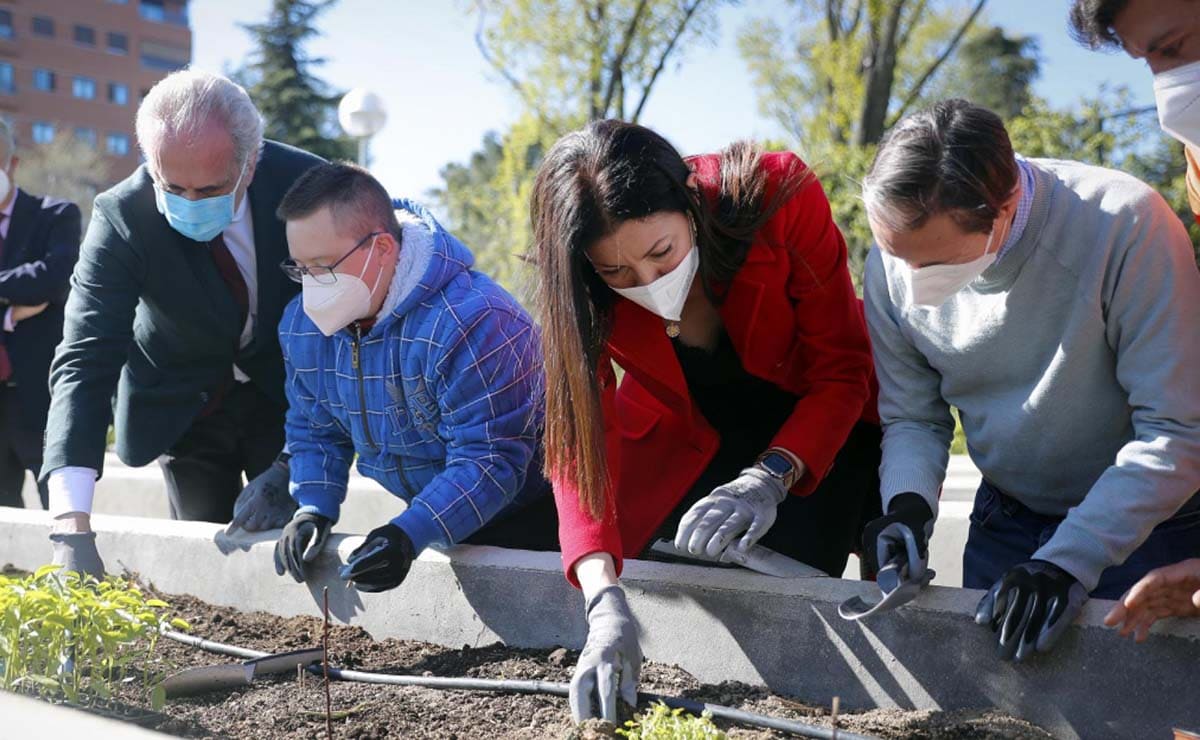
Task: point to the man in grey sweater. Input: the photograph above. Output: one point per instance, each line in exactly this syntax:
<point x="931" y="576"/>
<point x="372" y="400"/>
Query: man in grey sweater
<point x="1054" y="305"/>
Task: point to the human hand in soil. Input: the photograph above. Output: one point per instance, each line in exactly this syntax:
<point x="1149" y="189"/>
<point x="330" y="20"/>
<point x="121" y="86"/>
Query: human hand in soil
<point x="381" y="562"/>
<point x="884" y="541"/>
<point x="744" y="507"/>
<point x="76" y="552"/>
<point x="265" y="502"/>
<point x="1171" y="591"/>
<point x="611" y="658"/>
<point x="300" y="543"/>
<point x="1030" y="608"/>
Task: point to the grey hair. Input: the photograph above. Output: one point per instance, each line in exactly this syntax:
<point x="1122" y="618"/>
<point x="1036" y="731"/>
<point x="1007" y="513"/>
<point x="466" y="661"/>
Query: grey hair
<point x="8" y="141"/>
<point x="954" y="158"/>
<point x="181" y="103"/>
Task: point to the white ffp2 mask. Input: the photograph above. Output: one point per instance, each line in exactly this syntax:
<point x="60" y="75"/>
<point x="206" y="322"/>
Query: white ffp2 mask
<point x="334" y="305"/>
<point x="933" y="285"/>
<point x="666" y="295"/>
<point x="1177" y="97"/>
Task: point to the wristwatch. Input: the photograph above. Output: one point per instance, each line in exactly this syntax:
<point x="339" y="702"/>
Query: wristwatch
<point x="778" y="465"/>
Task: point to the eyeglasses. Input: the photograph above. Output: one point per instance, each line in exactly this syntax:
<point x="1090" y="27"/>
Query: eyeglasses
<point x="323" y="274"/>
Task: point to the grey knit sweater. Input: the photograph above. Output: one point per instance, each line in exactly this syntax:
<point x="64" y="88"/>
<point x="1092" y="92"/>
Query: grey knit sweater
<point x="1074" y="361"/>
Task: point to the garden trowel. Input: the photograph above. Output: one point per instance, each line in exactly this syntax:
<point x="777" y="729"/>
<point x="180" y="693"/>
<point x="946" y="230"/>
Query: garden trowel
<point x="897" y="587"/>
<point x="756" y="558"/>
<point x="193" y="681"/>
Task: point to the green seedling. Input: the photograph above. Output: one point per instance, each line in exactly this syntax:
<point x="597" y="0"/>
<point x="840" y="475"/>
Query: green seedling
<point x="661" y="722"/>
<point x="72" y="637"/>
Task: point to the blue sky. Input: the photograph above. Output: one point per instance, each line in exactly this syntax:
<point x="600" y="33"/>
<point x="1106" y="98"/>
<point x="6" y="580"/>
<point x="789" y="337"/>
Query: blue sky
<point x="420" y="56"/>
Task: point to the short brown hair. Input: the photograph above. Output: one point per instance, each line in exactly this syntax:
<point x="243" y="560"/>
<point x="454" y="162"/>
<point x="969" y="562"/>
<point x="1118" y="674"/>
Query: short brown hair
<point x="1092" y="20"/>
<point x="359" y="203"/>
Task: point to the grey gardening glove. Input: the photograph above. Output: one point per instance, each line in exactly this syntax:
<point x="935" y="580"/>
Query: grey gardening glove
<point x="611" y="657"/>
<point x="76" y="551"/>
<point x="265" y="502"/>
<point x="1030" y="608"/>
<point x="301" y="543"/>
<point x="744" y="507"/>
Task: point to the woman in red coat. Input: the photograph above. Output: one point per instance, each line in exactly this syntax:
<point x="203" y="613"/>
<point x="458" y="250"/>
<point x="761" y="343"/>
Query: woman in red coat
<point x="719" y="286"/>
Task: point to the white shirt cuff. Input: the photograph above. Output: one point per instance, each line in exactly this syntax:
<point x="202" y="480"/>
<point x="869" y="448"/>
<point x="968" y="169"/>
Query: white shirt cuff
<point x="71" y="489"/>
<point x="9" y="324"/>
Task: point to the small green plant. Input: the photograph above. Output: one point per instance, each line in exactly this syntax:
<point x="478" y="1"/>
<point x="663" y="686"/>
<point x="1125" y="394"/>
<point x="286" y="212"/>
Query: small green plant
<point x="661" y="722"/>
<point x="67" y="636"/>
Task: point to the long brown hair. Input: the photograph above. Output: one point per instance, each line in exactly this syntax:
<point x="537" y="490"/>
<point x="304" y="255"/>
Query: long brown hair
<point x="591" y="182"/>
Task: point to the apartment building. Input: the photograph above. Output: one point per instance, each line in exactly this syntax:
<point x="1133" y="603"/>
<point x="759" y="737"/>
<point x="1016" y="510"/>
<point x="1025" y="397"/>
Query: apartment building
<point x="81" y="67"/>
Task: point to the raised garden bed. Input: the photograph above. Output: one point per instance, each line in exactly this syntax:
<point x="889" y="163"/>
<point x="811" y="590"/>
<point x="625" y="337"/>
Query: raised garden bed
<point x="294" y="706"/>
<point x="288" y="708"/>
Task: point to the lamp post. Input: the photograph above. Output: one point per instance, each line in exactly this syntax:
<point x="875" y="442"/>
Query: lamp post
<point x="361" y="115"/>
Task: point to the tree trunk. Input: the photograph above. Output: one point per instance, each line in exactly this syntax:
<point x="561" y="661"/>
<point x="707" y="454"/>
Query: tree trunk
<point x="881" y="73"/>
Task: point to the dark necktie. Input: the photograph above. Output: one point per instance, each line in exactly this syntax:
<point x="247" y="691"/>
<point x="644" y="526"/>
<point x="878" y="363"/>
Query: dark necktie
<point x="228" y="269"/>
<point x="5" y="363"/>
<point x="227" y="266"/>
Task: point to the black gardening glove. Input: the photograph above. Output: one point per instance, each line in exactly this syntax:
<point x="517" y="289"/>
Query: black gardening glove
<point x="1030" y="608"/>
<point x="884" y="538"/>
<point x="381" y="562"/>
<point x="265" y="502"/>
<point x="300" y="543"/>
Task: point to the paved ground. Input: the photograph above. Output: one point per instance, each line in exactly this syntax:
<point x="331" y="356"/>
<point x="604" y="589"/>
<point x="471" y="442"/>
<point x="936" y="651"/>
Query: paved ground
<point x="129" y="491"/>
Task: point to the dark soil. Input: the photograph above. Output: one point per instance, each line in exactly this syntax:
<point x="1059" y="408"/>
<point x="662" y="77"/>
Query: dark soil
<point x="284" y="707"/>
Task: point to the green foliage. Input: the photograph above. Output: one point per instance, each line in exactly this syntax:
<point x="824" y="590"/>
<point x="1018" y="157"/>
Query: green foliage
<point x="958" y="446"/>
<point x="487" y="200"/>
<point x="1108" y="130"/>
<point x="994" y="70"/>
<point x="663" y="723"/>
<point x="813" y="71"/>
<point x="841" y="168"/>
<point x="63" y="635"/>
<point x="299" y="108"/>
<point x="569" y="62"/>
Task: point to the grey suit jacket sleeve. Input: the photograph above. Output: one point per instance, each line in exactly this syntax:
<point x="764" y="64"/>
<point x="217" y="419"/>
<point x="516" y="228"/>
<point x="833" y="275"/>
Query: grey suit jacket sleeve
<point x="105" y="288"/>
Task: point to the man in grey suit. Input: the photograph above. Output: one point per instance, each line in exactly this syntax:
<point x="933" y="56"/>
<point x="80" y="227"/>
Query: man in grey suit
<point x="174" y="304"/>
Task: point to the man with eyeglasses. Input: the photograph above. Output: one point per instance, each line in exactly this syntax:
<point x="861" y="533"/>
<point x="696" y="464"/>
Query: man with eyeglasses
<point x="174" y="305"/>
<point x="399" y="353"/>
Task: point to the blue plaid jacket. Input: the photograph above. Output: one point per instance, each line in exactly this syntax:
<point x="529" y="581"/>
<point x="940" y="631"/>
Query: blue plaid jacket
<point x="442" y="407"/>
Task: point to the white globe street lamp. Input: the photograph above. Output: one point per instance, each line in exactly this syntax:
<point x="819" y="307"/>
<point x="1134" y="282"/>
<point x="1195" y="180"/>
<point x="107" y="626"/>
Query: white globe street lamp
<point x="361" y="115"/>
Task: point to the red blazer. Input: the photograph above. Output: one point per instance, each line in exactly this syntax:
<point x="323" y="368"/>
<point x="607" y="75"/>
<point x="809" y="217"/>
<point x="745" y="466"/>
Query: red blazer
<point x="791" y="314"/>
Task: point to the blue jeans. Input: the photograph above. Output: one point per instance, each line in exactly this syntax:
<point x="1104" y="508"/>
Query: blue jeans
<point x="1005" y="533"/>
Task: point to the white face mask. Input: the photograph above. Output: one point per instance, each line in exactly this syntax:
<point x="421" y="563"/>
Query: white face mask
<point x="933" y="285"/>
<point x="333" y="306"/>
<point x="1177" y="97"/>
<point x="666" y="295"/>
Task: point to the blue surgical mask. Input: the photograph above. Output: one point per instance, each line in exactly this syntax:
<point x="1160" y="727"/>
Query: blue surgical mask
<point x="200" y="220"/>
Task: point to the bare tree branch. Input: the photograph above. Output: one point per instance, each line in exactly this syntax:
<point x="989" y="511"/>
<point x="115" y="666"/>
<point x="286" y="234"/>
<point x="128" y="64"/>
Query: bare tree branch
<point x="598" y="45"/>
<point x="851" y="29"/>
<point x="933" y="68"/>
<point x="913" y="20"/>
<point x="662" y="60"/>
<point x="614" y="74"/>
<point x="833" y="19"/>
<point x="481" y="44"/>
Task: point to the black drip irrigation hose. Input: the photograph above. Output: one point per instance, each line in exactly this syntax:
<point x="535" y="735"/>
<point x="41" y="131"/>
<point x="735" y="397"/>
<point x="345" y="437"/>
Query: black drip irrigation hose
<point x="552" y="688"/>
